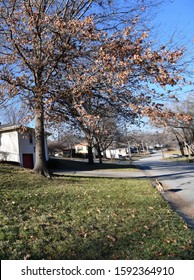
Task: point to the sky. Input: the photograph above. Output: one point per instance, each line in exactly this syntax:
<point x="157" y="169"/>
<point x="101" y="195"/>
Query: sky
<point x="177" y="16"/>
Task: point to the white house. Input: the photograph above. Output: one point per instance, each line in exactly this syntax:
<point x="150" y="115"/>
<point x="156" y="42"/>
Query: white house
<point x="110" y="153"/>
<point x="81" y="148"/>
<point x="17" y="144"/>
<point x="116" y="153"/>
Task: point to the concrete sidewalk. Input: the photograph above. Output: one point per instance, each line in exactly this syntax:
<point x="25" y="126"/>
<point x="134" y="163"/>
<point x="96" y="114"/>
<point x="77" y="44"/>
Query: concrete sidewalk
<point x="102" y="173"/>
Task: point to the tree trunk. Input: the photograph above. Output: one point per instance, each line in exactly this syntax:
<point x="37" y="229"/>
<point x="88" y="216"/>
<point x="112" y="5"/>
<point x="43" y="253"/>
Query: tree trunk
<point x="99" y="153"/>
<point x="40" y="163"/>
<point x="90" y="155"/>
<point x="181" y="146"/>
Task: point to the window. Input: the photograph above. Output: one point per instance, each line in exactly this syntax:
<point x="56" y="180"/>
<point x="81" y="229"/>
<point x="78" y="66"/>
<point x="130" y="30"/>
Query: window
<point x="79" y="149"/>
<point x="30" y="138"/>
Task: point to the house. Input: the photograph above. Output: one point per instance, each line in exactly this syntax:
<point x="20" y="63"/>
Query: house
<point x="110" y="153"/>
<point x="116" y="153"/>
<point x="17" y="144"/>
<point x="81" y="149"/>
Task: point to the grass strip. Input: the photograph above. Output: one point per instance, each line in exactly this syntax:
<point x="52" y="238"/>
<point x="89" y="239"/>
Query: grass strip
<point x="87" y="218"/>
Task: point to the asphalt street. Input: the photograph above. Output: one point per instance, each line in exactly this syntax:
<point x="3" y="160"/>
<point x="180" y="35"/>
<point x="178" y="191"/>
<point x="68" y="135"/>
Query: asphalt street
<point x="177" y="179"/>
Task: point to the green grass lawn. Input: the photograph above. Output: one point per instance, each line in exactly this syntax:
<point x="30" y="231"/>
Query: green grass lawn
<point x="87" y="218"/>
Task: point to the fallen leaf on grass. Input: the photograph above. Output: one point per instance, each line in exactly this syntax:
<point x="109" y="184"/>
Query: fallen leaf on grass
<point x="83" y="234"/>
<point x="110" y="237"/>
<point x="98" y="211"/>
<point x="146" y="227"/>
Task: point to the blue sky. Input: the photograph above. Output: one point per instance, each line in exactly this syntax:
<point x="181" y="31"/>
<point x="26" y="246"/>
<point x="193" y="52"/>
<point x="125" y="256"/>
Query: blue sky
<point x="177" y="15"/>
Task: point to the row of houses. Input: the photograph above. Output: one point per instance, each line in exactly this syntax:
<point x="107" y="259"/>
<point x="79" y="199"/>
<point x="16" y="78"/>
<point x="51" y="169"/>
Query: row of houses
<point x="109" y="153"/>
<point x="81" y="150"/>
<point x="113" y="152"/>
<point x="17" y="144"/>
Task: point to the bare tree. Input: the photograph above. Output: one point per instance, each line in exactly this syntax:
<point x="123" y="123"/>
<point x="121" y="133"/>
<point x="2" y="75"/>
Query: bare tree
<point x="179" y="121"/>
<point x="13" y="114"/>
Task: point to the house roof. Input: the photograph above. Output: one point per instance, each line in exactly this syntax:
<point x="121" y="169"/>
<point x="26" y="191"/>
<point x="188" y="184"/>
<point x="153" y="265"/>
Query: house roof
<point x="14" y="127"/>
<point x="17" y="127"/>
<point x="81" y="144"/>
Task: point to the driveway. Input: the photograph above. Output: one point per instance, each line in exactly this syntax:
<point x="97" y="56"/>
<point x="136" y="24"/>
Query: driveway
<point x="177" y="179"/>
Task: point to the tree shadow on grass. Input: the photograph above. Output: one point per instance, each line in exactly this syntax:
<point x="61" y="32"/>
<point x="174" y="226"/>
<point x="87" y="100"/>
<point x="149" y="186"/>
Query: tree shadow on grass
<point x="81" y="165"/>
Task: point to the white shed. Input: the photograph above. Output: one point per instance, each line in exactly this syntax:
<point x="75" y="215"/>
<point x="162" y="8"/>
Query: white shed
<point x="17" y="144"/>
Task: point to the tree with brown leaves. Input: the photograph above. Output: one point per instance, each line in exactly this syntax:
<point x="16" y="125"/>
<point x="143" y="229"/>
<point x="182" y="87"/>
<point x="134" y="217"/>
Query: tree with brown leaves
<point x="37" y="36"/>
<point x="55" y="55"/>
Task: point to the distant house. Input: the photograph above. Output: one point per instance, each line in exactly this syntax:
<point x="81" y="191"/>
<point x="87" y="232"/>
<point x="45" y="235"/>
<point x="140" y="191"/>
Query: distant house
<point x="17" y="144"/>
<point x="116" y="153"/>
<point x="110" y="153"/>
<point x="81" y="148"/>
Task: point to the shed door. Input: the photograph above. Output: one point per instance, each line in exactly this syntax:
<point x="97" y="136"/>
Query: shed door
<point x="28" y="161"/>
